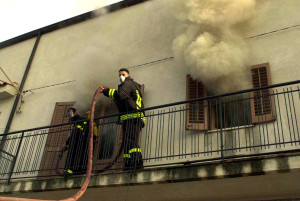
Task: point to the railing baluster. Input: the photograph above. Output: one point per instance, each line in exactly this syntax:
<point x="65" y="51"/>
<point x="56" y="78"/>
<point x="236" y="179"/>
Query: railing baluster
<point x="221" y="128"/>
<point x="244" y="104"/>
<point x="152" y="120"/>
<point x="180" y="133"/>
<point x="168" y="138"/>
<point x="185" y="130"/>
<point x="238" y="125"/>
<point x="296" y="120"/>
<point x="287" y="116"/>
<point x="279" y="111"/>
<point x="174" y="130"/>
<point x="162" y="136"/>
<point x="15" y="159"/>
<point x="266" y="123"/>
<point x="291" y="113"/>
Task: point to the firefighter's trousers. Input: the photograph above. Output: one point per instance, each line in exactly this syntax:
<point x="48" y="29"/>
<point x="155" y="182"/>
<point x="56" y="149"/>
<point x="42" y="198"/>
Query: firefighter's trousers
<point x="132" y="151"/>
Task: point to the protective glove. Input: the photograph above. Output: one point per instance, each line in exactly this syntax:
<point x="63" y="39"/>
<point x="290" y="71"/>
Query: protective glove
<point x="103" y="88"/>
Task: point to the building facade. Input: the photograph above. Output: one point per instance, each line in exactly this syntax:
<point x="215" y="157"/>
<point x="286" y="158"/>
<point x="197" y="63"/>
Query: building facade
<point x="196" y="142"/>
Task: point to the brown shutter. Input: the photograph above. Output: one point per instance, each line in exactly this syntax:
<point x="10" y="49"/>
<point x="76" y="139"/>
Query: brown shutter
<point x="197" y="111"/>
<point x="262" y="101"/>
<point x="57" y="137"/>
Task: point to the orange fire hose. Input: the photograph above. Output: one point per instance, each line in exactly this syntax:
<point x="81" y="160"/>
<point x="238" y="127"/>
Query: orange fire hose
<point x="89" y="166"/>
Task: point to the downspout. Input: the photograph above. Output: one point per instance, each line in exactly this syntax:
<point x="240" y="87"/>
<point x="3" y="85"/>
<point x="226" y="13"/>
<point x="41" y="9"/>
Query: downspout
<point x="13" y="111"/>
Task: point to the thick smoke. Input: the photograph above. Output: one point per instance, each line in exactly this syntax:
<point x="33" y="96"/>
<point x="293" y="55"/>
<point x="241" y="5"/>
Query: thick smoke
<point x="93" y="64"/>
<point x="212" y="44"/>
<point x="115" y="43"/>
<point x="208" y="39"/>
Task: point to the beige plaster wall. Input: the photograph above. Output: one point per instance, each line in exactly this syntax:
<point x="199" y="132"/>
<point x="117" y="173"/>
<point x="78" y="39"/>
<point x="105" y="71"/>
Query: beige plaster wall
<point x="13" y="60"/>
<point x="91" y="53"/>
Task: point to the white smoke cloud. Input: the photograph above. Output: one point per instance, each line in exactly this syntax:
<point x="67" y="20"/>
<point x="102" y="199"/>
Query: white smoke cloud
<point x="93" y="64"/>
<point x="212" y="44"/>
<point x="208" y="40"/>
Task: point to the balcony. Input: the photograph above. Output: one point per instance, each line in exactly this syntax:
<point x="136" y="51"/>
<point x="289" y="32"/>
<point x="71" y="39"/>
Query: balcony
<point x="242" y="126"/>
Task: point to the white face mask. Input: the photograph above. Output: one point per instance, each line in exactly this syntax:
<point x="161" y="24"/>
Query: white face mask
<point x="70" y="114"/>
<point x="122" y="79"/>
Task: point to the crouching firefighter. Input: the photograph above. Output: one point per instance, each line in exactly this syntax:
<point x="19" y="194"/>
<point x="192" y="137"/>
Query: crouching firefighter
<point x="128" y="98"/>
<point x="77" y="145"/>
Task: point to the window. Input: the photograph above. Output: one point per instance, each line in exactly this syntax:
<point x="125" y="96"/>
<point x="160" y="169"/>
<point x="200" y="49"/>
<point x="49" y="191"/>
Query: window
<point x="234" y="111"/>
<point x="108" y="140"/>
<point x="262" y="101"/>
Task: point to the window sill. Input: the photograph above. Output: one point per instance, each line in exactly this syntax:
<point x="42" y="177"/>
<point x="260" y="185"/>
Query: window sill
<point x="229" y="129"/>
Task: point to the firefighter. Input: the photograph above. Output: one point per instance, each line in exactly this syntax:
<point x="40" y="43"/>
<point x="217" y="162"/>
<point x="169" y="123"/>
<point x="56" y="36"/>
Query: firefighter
<point x="128" y="98"/>
<point x="76" y="144"/>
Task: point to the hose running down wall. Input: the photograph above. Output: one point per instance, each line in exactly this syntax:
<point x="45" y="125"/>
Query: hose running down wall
<point x="89" y="166"/>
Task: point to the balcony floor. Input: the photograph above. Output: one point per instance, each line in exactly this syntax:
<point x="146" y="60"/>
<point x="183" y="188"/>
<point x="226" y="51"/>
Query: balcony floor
<point x="261" y="178"/>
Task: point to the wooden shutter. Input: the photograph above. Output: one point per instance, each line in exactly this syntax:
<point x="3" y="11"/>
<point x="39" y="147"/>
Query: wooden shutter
<point x="57" y="137"/>
<point x="262" y="101"/>
<point x="196" y="118"/>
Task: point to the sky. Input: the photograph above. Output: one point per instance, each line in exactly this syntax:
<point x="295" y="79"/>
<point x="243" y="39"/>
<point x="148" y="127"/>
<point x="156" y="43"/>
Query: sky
<point x="18" y="17"/>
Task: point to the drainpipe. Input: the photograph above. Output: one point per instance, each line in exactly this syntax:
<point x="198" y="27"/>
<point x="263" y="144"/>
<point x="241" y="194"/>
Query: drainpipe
<point x="20" y="89"/>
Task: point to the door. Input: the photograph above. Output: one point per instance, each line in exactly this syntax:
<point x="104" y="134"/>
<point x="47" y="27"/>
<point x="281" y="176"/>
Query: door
<point x="57" y="137"/>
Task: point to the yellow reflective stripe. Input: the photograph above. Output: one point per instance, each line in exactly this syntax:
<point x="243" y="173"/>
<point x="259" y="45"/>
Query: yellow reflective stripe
<point x="138" y="100"/>
<point x="80" y="127"/>
<point x="134" y="150"/>
<point x="133" y="115"/>
<point x="95" y="129"/>
<point x="127" y="156"/>
<point x="111" y="93"/>
<point x="85" y="122"/>
<point x="69" y="171"/>
<point x="137" y="114"/>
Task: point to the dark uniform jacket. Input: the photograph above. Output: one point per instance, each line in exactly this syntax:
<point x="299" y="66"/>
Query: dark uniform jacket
<point x="128" y="98"/>
<point x="78" y="145"/>
<point x="80" y="131"/>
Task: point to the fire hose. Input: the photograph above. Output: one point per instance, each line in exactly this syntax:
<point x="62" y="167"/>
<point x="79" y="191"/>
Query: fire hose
<point x="89" y="166"/>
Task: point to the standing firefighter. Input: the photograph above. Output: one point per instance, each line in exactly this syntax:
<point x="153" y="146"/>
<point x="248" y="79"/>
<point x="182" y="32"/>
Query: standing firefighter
<point x="128" y="98"/>
<point x="76" y="144"/>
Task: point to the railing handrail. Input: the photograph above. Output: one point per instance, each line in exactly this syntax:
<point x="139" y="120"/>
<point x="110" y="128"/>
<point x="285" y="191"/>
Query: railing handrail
<point x="162" y="106"/>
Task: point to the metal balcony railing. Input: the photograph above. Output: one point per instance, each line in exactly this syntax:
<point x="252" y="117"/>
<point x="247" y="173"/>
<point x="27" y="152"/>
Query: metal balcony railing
<point x="240" y="124"/>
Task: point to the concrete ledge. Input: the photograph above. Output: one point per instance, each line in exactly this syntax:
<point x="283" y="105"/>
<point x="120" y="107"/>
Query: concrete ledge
<point x="272" y="164"/>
